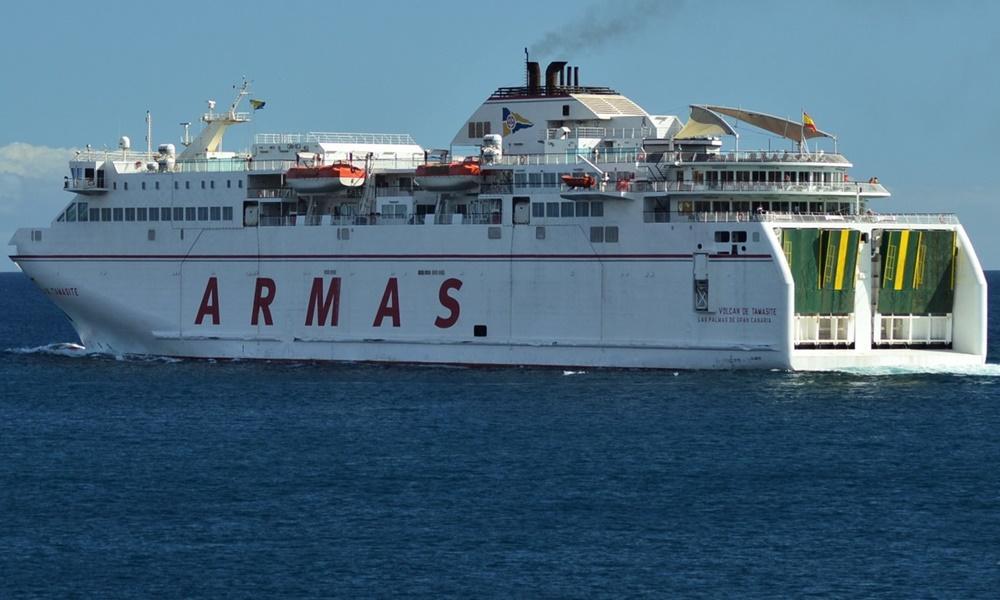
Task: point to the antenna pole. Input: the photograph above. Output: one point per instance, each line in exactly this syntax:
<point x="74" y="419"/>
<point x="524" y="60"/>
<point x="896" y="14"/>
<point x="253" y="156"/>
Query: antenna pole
<point x="149" y="133"/>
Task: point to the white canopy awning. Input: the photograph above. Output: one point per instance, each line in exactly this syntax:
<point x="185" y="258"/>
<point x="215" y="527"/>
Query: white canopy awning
<point x="704" y="122"/>
<point x="787" y="128"/>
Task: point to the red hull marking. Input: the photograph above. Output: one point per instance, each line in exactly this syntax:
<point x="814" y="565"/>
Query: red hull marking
<point x="209" y="303"/>
<point x="448" y="302"/>
<point x="389" y="307"/>
<point x="471" y="257"/>
<point x="320" y="306"/>
<point x="261" y="302"/>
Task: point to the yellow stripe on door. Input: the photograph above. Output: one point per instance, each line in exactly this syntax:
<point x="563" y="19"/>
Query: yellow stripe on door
<point x="845" y="236"/>
<point x="904" y="240"/>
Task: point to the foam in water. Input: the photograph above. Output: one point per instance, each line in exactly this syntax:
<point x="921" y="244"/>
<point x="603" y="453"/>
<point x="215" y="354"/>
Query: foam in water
<point x="71" y="350"/>
<point x="985" y="370"/>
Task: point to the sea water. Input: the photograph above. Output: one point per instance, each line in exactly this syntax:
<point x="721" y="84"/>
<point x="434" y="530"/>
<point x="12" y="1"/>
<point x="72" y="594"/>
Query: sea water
<point x="128" y="476"/>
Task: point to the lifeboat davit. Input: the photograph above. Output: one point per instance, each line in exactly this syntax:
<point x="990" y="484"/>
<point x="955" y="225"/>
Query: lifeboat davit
<point x="451" y="177"/>
<point x="325" y="178"/>
<point x="579" y="181"/>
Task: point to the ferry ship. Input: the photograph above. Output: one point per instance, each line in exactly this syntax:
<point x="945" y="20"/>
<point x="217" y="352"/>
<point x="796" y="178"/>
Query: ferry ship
<point x="565" y="226"/>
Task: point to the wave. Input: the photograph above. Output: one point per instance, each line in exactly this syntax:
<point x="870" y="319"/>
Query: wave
<point x="71" y="350"/>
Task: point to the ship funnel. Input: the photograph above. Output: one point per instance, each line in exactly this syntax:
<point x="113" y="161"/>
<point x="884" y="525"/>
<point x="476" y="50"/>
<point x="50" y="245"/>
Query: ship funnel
<point x="552" y="72"/>
<point x="534" y="78"/>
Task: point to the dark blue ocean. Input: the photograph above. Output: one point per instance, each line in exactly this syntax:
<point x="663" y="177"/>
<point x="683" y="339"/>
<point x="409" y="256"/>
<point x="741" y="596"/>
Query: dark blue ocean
<point x="153" y="478"/>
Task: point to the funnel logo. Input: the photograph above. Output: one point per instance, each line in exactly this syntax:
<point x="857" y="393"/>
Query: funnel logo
<point x="513" y="122"/>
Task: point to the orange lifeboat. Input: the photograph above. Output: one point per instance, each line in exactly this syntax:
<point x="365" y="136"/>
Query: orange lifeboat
<point x="325" y="178"/>
<point x="450" y="177"/>
<point x="579" y="181"/>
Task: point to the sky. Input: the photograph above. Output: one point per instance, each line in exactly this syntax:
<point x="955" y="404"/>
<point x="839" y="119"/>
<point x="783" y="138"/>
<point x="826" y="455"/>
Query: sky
<point x="909" y="88"/>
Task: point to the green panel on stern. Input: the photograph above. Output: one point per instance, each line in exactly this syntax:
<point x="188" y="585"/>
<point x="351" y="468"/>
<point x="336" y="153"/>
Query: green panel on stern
<point x="824" y="266"/>
<point x="918" y="272"/>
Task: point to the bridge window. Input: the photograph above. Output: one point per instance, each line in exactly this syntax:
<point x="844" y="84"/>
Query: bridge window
<point x="202" y="213"/>
<point x="611" y="234"/>
<point x="227" y="213"/>
<point x="722" y="237"/>
<point x="118" y="214"/>
<point x="140" y="213"/>
<point x="165" y="213"/>
<point x="154" y="214"/>
<point x="156" y="185"/>
<point x="597" y="209"/>
<point x="189" y="213"/>
<point x="130" y="214"/>
<point x="567" y="209"/>
<point x="95" y="214"/>
<point x="105" y="214"/>
<point x="537" y="209"/>
<point x="583" y="209"/>
<point x="596" y="235"/>
<point x="143" y="185"/>
<point x="216" y="213"/>
<point x="551" y="209"/>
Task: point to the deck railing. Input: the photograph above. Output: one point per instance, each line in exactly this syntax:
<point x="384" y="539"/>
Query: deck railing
<point x="889" y="220"/>
<point x="396" y="139"/>
<point x="850" y="188"/>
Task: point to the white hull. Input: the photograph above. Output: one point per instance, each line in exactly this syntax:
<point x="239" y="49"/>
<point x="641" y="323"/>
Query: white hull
<point x="552" y="302"/>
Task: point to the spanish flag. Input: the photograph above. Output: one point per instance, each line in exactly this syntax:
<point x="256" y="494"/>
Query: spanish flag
<point x="257" y="104"/>
<point x="807" y="122"/>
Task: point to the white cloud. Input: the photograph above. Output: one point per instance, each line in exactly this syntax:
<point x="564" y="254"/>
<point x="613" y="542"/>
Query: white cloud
<point x="26" y="160"/>
<point x="31" y="188"/>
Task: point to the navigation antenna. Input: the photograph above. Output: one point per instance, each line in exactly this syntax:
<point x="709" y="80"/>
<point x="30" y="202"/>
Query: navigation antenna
<point x="149" y="134"/>
<point x="209" y="141"/>
<point x="243" y="90"/>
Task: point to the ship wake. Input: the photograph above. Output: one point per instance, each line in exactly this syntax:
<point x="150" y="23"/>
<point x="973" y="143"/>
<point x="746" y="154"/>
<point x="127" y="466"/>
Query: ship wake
<point x="985" y="370"/>
<point x="71" y="350"/>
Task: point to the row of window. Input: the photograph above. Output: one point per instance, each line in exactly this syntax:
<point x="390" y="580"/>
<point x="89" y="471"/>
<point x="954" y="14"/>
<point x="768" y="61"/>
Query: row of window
<point x="80" y="211"/>
<point x="177" y="184"/>
<point x="764" y="176"/>
<point x="567" y="209"/>
<point x="724" y="237"/>
<point x="699" y="206"/>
